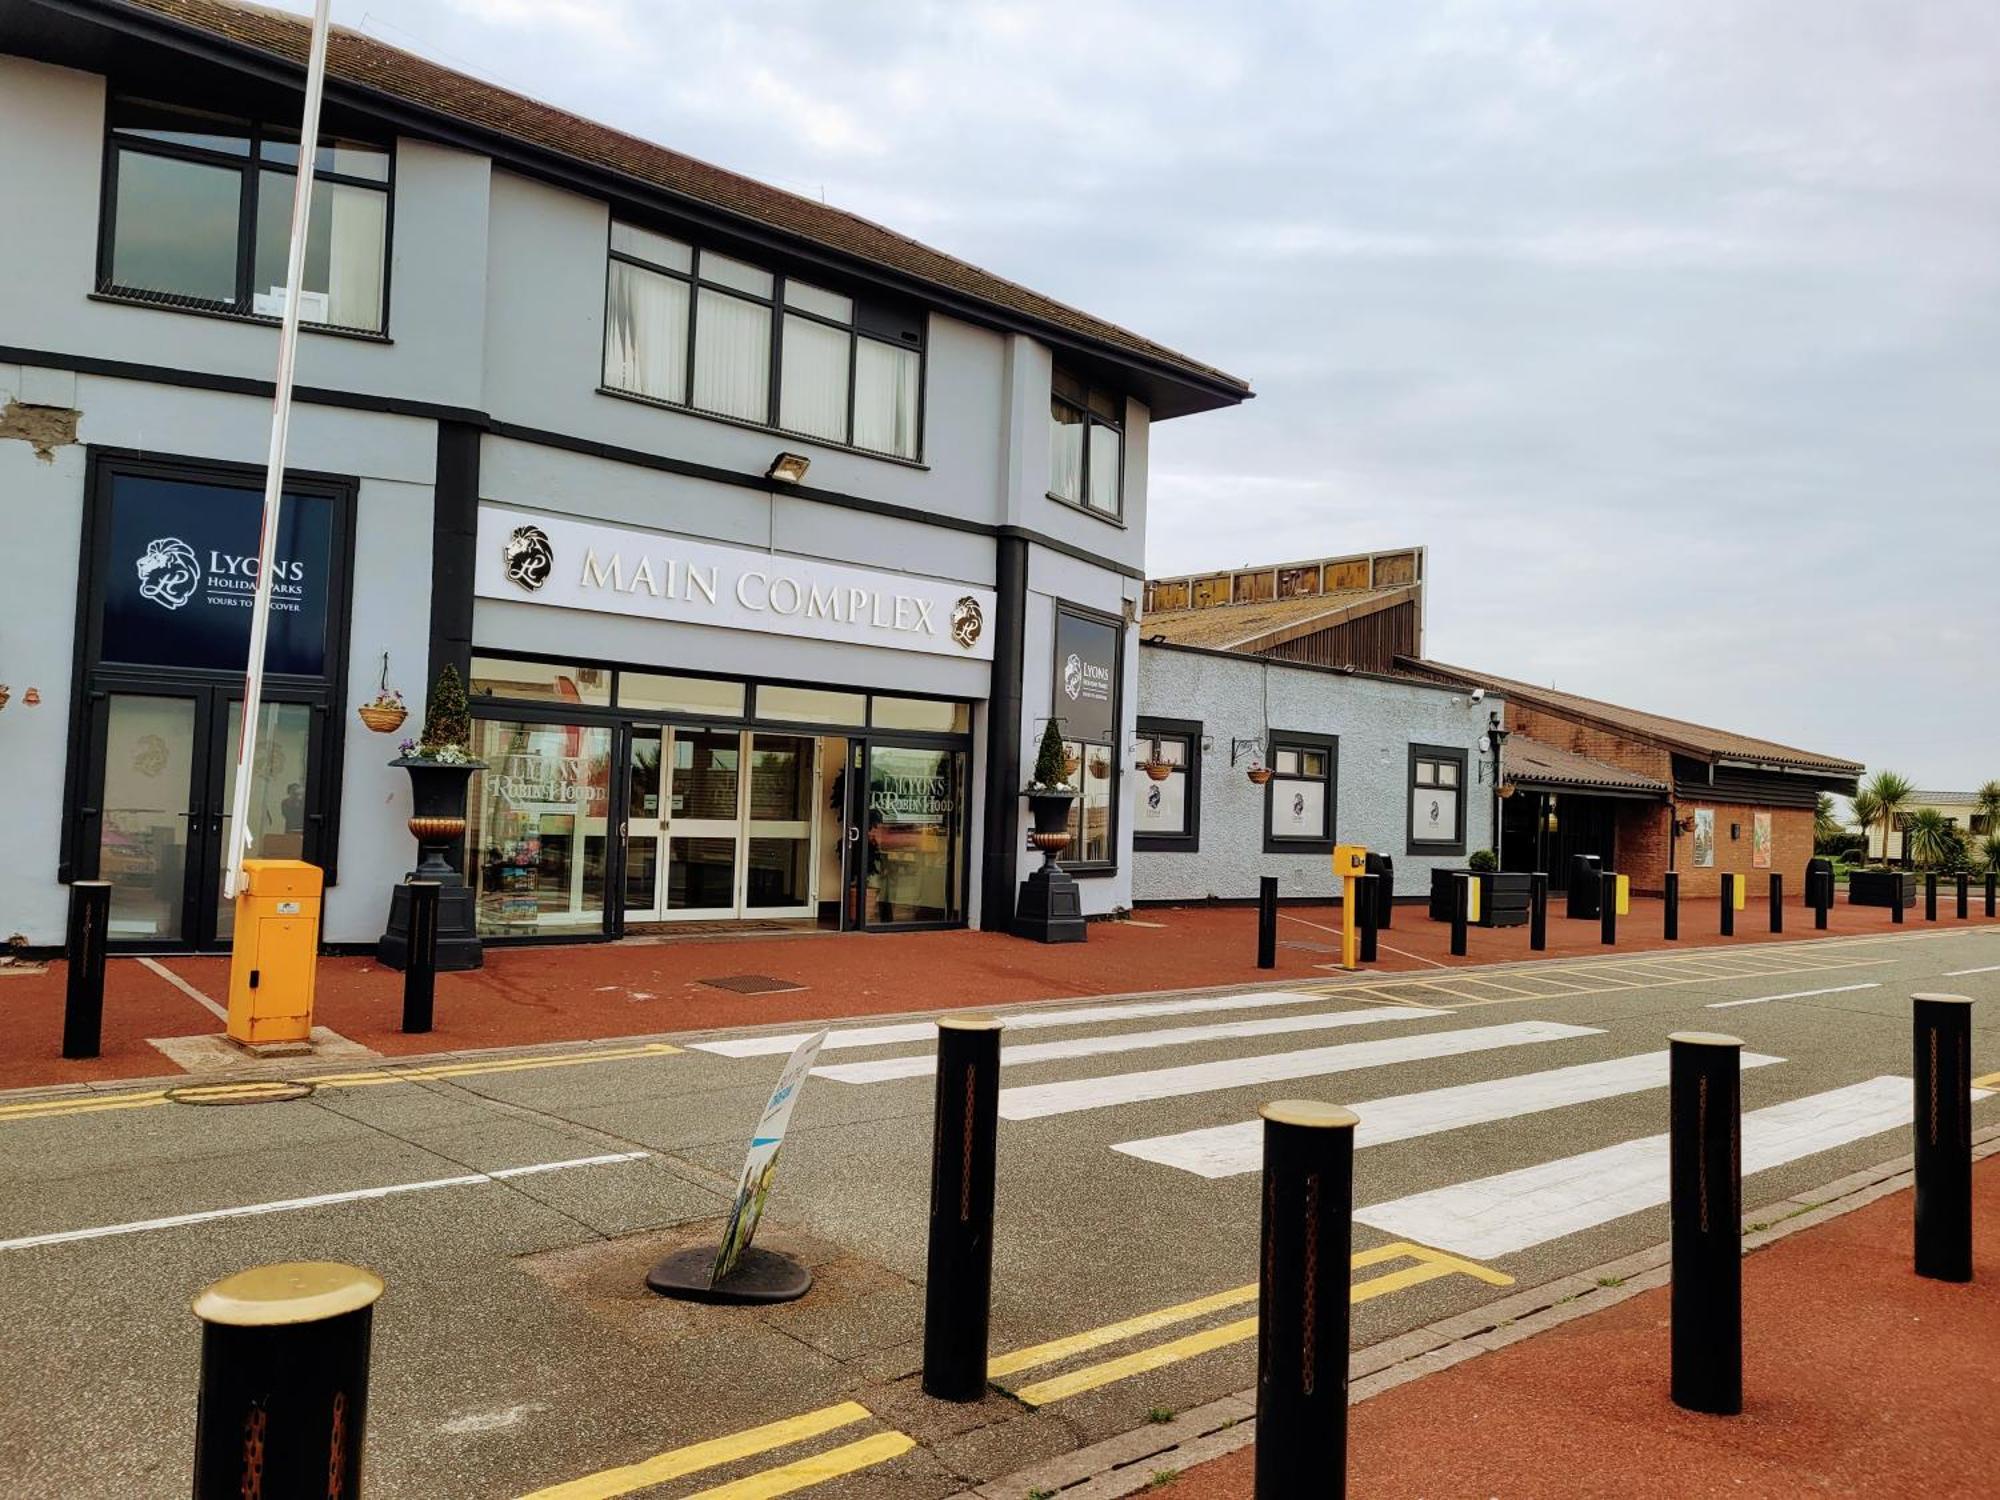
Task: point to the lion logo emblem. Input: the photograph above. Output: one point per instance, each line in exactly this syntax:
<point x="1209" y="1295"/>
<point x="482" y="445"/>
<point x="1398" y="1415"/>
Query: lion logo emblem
<point x="529" y="557"/>
<point x="967" y="620"/>
<point x="1073" y="677"/>
<point x="169" y="572"/>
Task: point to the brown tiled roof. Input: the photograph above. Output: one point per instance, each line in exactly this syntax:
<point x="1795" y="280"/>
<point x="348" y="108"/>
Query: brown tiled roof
<point x="1535" y="764"/>
<point x="1233" y="627"/>
<point x="358" y="59"/>
<point x="1677" y="734"/>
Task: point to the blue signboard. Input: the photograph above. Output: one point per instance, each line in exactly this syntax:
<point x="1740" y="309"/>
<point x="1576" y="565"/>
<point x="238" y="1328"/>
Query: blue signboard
<point x="181" y="577"/>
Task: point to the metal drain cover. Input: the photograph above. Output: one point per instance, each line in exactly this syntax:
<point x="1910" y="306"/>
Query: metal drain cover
<point x="248" y="1091"/>
<point x="752" y="984"/>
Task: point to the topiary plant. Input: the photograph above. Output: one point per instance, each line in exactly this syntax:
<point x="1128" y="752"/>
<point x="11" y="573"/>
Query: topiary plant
<point x="447" y="720"/>
<point x="1051" y="774"/>
<point x="1482" y="862"/>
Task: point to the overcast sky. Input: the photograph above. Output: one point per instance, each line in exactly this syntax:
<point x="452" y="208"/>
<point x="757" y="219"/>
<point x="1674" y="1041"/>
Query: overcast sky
<point x="1671" y="327"/>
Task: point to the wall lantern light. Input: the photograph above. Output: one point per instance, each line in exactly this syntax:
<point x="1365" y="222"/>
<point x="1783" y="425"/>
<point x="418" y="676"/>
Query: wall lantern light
<point x="788" y="468"/>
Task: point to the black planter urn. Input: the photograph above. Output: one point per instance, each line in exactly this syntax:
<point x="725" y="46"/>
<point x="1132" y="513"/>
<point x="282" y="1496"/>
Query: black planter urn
<point x="437" y="819"/>
<point x="1050" y="908"/>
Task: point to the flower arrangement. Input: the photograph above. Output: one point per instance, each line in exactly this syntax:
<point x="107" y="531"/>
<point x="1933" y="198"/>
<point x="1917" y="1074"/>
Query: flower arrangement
<point x="447" y="724"/>
<point x="384" y="713"/>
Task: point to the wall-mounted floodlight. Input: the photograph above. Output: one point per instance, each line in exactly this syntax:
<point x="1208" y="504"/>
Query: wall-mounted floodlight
<point x="788" y="468"/>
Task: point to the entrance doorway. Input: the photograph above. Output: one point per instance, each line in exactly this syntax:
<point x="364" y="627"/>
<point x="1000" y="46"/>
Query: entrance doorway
<point x="720" y="823"/>
<point x="162" y="783"/>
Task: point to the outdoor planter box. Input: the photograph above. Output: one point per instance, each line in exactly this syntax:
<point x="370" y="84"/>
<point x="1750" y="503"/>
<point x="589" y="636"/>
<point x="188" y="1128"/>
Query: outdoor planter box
<point x="1503" y="897"/>
<point x="1881" y="888"/>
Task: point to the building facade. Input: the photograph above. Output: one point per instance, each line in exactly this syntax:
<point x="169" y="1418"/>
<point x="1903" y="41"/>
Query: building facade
<point x="1401" y="766"/>
<point x="766" y="540"/>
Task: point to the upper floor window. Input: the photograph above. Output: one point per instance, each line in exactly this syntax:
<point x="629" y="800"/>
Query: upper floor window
<point x="199" y="213"/>
<point x="1086" y="445"/>
<point x="697" y="329"/>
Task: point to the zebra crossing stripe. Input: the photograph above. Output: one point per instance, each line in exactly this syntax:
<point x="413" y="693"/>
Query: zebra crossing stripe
<point x="1090" y="1015"/>
<point x="1511" y="1211"/>
<point x="1036" y="1101"/>
<point x="880" y="1070"/>
<point x="1232" y="1150"/>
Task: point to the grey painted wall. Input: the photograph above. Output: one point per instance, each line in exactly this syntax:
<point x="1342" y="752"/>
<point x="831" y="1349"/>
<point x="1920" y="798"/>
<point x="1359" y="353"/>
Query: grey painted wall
<point x="1376" y="721"/>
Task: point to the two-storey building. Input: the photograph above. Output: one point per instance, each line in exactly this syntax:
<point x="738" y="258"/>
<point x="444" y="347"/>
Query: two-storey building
<point x="766" y="539"/>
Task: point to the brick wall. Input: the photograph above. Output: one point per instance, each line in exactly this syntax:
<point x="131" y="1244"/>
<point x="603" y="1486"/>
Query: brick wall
<point x="1791" y="847"/>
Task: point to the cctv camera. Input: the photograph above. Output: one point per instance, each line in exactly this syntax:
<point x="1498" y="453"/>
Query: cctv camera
<point x="1479" y="695"/>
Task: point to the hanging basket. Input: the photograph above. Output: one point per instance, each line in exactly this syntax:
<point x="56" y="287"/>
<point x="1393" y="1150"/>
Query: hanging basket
<point x="1100" y="766"/>
<point x="383" y="718"/>
<point x="1159" y="770"/>
<point x="1258" y="775"/>
<point x="1070" y="763"/>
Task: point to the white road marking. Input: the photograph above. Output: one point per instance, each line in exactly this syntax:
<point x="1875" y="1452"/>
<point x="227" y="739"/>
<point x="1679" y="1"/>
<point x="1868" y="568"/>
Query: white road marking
<point x="1961" y="973"/>
<point x="924" y="1064"/>
<point x="1033" y="1020"/>
<point x="220" y="1012"/>
<point x="1035" y="1101"/>
<point x="1840" y="989"/>
<point x="1498" y="1215"/>
<point x="1232" y="1150"/>
<point x="318" y="1200"/>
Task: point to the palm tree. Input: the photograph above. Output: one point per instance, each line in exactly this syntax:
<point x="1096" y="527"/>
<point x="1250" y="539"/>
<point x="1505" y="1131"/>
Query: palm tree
<point x="1930" y="840"/>
<point x="1826" y="824"/>
<point x="1986" y="806"/>
<point x="1892" y="794"/>
<point x="1864" y="810"/>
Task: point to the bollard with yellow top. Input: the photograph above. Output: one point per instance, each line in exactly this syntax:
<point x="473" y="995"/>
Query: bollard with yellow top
<point x="271" y="963"/>
<point x="1350" y="863"/>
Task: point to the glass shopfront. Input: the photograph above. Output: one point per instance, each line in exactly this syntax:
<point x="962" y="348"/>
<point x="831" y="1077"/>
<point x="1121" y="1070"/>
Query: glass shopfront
<point x="619" y="799"/>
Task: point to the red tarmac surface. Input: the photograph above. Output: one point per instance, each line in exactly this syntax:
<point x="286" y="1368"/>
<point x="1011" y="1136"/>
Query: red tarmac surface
<point x="589" y="991"/>
<point x="1860" y="1378"/>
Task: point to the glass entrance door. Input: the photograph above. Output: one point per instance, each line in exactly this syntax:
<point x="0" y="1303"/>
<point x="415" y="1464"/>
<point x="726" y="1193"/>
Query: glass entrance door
<point x="778" y="866"/>
<point x="645" y="820"/>
<point x="165" y="775"/>
<point x="703" y="823"/>
<point x="909" y="860"/>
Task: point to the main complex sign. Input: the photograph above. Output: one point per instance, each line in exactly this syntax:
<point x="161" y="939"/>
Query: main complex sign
<point x="543" y="559"/>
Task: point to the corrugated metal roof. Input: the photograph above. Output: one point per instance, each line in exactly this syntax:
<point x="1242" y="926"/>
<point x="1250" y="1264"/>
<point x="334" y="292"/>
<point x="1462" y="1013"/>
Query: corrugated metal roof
<point x="1535" y="763"/>
<point x="359" y="59"/>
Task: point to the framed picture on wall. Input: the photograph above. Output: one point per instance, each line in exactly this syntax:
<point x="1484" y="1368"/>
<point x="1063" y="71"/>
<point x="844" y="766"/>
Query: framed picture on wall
<point x="1760" y="840"/>
<point x="1704" y="838"/>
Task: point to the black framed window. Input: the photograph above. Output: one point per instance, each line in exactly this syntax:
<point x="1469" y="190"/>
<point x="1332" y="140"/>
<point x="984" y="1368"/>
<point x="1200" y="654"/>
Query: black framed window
<point x="198" y="214"/>
<point x="1085" y="699"/>
<point x="694" y="328"/>
<point x="1299" y="799"/>
<point x="1086" y="446"/>
<point x="1437" y="800"/>
<point x="1166" y="811"/>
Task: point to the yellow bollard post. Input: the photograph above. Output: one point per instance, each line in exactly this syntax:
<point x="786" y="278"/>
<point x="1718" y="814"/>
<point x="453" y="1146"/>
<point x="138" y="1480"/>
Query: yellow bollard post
<point x="1741" y="891"/>
<point x="1350" y="863"/>
<point x="1624" y="895"/>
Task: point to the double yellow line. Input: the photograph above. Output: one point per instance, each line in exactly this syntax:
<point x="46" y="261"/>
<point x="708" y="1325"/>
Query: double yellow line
<point x="817" y="1468"/>
<point x="1430" y="1265"/>
<point x="252" y="1089"/>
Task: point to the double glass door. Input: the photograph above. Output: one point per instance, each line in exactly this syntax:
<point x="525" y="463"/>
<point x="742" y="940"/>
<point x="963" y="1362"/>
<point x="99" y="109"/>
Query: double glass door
<point x="163" y="781"/>
<point x="719" y="823"/>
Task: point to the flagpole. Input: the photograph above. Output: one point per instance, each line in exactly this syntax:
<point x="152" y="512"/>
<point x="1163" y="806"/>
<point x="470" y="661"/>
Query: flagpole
<point x="274" y="469"/>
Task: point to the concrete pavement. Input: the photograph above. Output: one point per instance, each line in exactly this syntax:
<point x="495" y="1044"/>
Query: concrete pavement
<point x="517" y="1348"/>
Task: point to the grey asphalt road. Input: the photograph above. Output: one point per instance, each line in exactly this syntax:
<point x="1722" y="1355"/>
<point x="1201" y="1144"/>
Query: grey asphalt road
<point x="517" y="1349"/>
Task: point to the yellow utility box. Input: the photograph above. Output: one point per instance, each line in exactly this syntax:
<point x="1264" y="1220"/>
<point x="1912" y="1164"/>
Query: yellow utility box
<point x="1349" y="861"/>
<point x="1624" y="895"/>
<point x="272" y="965"/>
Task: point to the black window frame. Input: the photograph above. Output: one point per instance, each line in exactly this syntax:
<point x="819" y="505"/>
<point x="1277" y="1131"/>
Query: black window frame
<point x="1298" y="739"/>
<point x="1189" y="731"/>
<point x="1436" y="755"/>
<point x="1091" y="418"/>
<point x="250" y="166"/>
<point x="870" y="319"/>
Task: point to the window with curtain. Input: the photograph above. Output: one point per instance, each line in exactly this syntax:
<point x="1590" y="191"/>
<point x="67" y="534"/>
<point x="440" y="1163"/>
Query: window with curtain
<point x="693" y="328"/>
<point x="1086" y="445"/>
<point x="199" y="214"/>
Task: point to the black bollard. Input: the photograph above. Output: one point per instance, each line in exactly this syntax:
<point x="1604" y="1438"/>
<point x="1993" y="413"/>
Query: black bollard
<point x="1964" y="895"/>
<point x="1729" y="906"/>
<point x="1302" y="1309"/>
<point x="1705" y="1178"/>
<point x="1671" y="901"/>
<point x="1607" y="899"/>
<point x="1944" y="1136"/>
<point x="1369" y="903"/>
<point x="1461" y="904"/>
<point x="1267" y="922"/>
<point x="1930" y="896"/>
<point x="958" y="1286"/>
<point x="83" y="999"/>
<point x="420" y="969"/>
<point x="1538" y="911"/>
<point x="284" y="1381"/>
<point x="1992" y="894"/>
<point x="1822" y="894"/>
<point x="1777" y="902"/>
